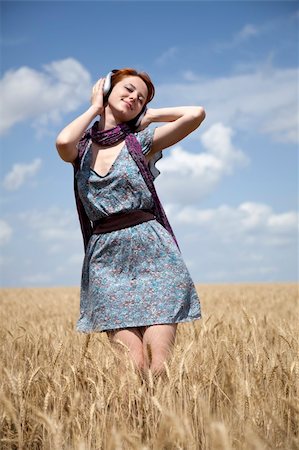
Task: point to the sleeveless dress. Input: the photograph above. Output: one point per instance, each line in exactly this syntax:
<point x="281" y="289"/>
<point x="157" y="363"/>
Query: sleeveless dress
<point x="135" y="276"/>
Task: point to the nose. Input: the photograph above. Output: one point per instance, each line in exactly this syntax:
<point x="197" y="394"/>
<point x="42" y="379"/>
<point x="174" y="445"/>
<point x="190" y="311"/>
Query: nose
<point x="133" y="95"/>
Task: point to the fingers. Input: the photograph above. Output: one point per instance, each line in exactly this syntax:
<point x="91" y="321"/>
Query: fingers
<point x="97" y="95"/>
<point x="98" y="85"/>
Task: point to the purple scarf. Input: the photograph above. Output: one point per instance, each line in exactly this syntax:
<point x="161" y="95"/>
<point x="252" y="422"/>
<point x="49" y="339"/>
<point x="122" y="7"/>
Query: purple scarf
<point x="108" y="138"/>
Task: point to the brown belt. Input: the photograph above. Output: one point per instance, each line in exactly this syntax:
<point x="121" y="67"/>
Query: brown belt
<point x="119" y="221"/>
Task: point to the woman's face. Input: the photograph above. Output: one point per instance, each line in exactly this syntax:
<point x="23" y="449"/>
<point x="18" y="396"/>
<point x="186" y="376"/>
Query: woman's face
<point x="127" y="98"/>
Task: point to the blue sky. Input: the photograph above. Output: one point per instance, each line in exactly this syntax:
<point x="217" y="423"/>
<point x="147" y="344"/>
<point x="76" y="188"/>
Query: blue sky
<point x="230" y="188"/>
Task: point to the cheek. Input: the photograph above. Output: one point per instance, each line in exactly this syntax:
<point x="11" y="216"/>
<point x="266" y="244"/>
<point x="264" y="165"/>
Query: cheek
<point x="114" y="97"/>
<point x="113" y="94"/>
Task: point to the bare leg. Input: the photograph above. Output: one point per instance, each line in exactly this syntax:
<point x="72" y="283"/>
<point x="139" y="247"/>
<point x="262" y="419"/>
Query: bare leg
<point x="158" y="341"/>
<point x="132" y="339"/>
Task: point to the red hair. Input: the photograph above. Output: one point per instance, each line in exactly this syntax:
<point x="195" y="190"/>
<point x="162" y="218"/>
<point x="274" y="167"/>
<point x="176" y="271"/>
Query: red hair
<point x="128" y="72"/>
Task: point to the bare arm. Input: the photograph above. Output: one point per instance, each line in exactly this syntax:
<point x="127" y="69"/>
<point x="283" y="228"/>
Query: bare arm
<point x="183" y="120"/>
<point x="68" y="138"/>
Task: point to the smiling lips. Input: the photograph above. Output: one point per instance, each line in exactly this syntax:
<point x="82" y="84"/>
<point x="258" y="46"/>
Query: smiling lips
<point x="128" y="104"/>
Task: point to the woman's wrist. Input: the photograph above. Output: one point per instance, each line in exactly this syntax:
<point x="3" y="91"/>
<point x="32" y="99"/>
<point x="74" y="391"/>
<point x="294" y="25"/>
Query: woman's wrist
<point x="96" y="110"/>
<point x="164" y="114"/>
<point x="151" y="115"/>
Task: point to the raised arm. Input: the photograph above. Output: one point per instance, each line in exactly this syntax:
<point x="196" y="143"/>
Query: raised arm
<point x="183" y="120"/>
<point x="68" y="138"/>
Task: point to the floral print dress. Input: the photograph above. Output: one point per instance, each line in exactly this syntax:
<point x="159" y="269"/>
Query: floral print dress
<point x="135" y="276"/>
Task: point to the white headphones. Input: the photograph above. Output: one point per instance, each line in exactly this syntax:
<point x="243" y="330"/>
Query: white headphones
<point x="107" y="84"/>
<point x="106" y="91"/>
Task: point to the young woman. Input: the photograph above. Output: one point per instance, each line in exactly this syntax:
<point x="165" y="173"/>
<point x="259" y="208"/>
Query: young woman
<point x="135" y="285"/>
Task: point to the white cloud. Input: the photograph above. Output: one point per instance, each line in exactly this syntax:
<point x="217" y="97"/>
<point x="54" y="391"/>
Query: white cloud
<point x="37" y="278"/>
<point x="70" y="263"/>
<point x="53" y="226"/>
<point x="264" y="101"/>
<point x="282" y="223"/>
<point x="247" y="242"/>
<point x="189" y="75"/>
<point x="249" y="219"/>
<point x="192" y="176"/>
<point x="49" y="244"/>
<point x="282" y="124"/>
<point x="20" y="173"/>
<point x="55" y="248"/>
<point x="167" y="56"/>
<point x="274" y="26"/>
<point x="5" y="232"/>
<point x="255" y="272"/>
<point x="218" y="141"/>
<point x="247" y="32"/>
<point x="75" y="259"/>
<point x="42" y="95"/>
<point x="6" y="261"/>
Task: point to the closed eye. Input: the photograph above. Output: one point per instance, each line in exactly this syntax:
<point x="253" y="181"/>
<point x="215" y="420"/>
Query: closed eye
<point x="130" y="89"/>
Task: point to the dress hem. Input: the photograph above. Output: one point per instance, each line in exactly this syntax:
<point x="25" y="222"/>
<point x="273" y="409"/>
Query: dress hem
<point x="166" y="322"/>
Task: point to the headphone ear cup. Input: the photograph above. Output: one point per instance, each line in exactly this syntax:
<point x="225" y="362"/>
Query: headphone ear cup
<point x="107" y="84"/>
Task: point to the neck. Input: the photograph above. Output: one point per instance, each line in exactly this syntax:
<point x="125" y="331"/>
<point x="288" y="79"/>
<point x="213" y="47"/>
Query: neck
<point x="110" y="135"/>
<point x="107" y="120"/>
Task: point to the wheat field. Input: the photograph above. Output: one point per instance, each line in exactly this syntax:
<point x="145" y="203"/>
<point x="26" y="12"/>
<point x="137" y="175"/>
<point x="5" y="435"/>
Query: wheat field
<point x="231" y="383"/>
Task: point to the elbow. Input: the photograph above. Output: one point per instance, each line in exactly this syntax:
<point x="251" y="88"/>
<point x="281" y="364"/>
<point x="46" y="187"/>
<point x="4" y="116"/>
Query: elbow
<point x="67" y="152"/>
<point x="61" y="142"/>
<point x="200" y="114"/>
<point x="61" y="147"/>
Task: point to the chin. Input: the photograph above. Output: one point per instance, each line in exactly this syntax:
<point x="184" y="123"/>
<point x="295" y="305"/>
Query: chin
<point x="125" y="117"/>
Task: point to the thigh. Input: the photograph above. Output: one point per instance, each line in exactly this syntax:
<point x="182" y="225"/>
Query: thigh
<point x="158" y="341"/>
<point x="131" y="338"/>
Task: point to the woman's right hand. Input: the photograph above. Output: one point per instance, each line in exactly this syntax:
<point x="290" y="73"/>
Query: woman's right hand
<point x="97" y="97"/>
